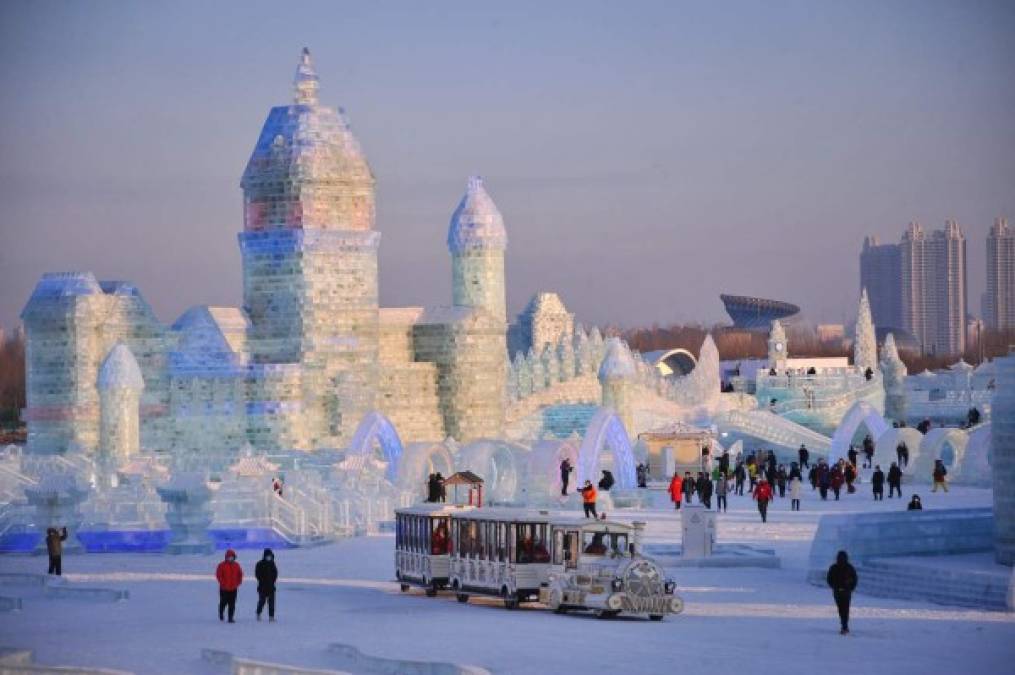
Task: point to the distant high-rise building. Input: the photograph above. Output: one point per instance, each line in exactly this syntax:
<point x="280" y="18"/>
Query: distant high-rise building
<point x="881" y="275"/>
<point x="999" y="300"/>
<point x="934" y="287"/>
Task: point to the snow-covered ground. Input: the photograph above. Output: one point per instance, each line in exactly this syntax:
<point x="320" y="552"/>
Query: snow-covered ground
<point x="735" y="620"/>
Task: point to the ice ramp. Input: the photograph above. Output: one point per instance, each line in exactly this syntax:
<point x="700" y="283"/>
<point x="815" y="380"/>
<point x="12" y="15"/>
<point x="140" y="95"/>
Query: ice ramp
<point x="773" y="429"/>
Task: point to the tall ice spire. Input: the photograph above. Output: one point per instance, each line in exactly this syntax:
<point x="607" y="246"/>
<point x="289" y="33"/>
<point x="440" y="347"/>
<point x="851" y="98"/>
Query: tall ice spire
<point x="305" y="84"/>
<point x="865" y="347"/>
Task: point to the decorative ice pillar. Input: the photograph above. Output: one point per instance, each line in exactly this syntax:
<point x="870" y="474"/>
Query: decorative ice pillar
<point x="189" y="514"/>
<point x="865" y="344"/>
<point x="895" y="372"/>
<point x="1002" y="431"/>
<point x="120" y="385"/>
<point x="57" y="500"/>
<point x="617" y="374"/>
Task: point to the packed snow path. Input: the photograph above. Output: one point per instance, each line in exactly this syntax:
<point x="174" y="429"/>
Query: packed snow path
<point x="735" y="618"/>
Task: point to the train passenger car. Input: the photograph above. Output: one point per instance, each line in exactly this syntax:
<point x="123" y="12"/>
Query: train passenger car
<point x="422" y="545"/>
<point x="596" y="565"/>
<point x="499" y="552"/>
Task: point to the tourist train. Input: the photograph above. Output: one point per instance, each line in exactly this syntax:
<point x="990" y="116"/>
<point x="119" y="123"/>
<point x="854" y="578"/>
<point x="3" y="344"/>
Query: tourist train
<point x="520" y="555"/>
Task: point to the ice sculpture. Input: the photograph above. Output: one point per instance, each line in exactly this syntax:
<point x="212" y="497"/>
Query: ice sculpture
<point x="607" y="432"/>
<point x="894" y="371"/>
<point x="616" y="376"/>
<point x="188" y="513"/>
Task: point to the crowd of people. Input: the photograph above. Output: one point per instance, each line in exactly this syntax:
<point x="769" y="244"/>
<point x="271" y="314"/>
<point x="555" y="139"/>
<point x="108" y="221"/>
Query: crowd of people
<point x="761" y="476"/>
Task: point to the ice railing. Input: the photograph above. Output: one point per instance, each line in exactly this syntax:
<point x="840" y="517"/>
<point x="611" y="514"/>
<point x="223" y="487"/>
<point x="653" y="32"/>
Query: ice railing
<point x="773" y="429"/>
<point x="581" y="355"/>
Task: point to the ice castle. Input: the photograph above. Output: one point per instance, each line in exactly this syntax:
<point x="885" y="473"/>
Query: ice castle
<point x="310" y="353"/>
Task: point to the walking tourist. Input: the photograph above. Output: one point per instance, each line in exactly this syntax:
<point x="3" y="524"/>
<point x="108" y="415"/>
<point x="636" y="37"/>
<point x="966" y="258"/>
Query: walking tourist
<point x="688" y="487"/>
<point x="780" y="481"/>
<point x="565" y="475"/>
<point x="763" y="495"/>
<point x="824" y="479"/>
<point x="676" y="489"/>
<point x="804" y="456"/>
<point x="266" y="574"/>
<point x="842" y="580"/>
<point x="740" y="477"/>
<point x="835" y="479"/>
<point x="721" y="488"/>
<point x="894" y="480"/>
<point x="795" y="487"/>
<point x="878" y="484"/>
<point x="229" y="575"/>
<point x="939" y="475"/>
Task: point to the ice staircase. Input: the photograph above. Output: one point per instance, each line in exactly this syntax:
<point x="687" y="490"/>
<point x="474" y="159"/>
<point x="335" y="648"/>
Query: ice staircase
<point x="962" y="581"/>
<point x="773" y="429"/>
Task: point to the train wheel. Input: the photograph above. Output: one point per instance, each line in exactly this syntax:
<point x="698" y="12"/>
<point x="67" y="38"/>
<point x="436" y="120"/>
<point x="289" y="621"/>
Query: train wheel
<point x="510" y="601"/>
<point x="462" y="597"/>
<point x="431" y="590"/>
<point x="404" y="587"/>
<point x="656" y="617"/>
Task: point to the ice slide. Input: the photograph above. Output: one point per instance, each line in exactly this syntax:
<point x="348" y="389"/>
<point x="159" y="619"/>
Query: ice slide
<point x="772" y="429"/>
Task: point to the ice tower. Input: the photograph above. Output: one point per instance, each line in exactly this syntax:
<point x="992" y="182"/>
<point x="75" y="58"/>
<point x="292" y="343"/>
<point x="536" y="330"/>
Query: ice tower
<point x="309" y="275"/>
<point x="476" y="239"/>
<point x="617" y="374"/>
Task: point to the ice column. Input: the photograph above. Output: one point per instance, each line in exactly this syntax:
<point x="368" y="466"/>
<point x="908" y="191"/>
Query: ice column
<point x="120" y="385"/>
<point x="1003" y="460"/>
<point x="617" y="375"/>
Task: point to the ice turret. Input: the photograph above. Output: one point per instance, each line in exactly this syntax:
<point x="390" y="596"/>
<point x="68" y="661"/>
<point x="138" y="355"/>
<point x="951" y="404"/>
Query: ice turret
<point x="120" y="385"/>
<point x="477" y="240"/>
<point x="617" y="377"/>
<point x="865" y="349"/>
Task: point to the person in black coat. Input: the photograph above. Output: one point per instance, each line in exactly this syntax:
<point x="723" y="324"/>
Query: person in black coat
<point x="804" y="456"/>
<point x="878" y="484"/>
<point x="267" y="575"/>
<point x="607" y="481"/>
<point x="842" y="580"/>
<point x="704" y="488"/>
<point x="894" y="480"/>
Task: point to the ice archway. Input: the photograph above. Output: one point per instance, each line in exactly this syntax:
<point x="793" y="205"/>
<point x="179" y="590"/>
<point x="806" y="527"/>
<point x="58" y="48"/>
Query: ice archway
<point x="418" y="461"/>
<point x="376" y="428"/>
<point x="606" y="431"/>
<point x="497" y="463"/>
<point x="886" y="445"/>
<point x="945" y="443"/>
<point x="860" y="414"/>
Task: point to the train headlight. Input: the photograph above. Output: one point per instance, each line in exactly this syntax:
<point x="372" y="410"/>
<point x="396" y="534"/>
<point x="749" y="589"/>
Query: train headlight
<point x="669" y="587"/>
<point x="676" y="605"/>
<point x="614" y="602"/>
<point x="617" y="585"/>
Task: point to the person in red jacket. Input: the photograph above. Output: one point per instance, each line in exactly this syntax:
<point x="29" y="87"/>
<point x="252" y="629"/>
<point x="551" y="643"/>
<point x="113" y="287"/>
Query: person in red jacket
<point x="230" y="576"/>
<point x="763" y="495"/>
<point x="676" y="489"/>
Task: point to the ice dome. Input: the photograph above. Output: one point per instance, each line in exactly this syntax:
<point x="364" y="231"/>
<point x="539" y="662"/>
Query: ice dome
<point x="120" y="370"/>
<point x="477" y="222"/>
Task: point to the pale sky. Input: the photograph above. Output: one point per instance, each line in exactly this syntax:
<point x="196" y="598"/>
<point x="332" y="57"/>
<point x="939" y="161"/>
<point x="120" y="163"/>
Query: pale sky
<point x="647" y="156"/>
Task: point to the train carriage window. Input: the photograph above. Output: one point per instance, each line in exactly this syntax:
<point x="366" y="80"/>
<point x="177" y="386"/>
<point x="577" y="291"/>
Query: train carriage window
<point x="571" y="549"/>
<point x="439" y="536"/>
<point x="540" y="551"/>
<point x="558" y="547"/>
<point x="398" y="532"/>
<point x="501" y="548"/>
<point x="524" y="535"/>
<point x="511" y="542"/>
